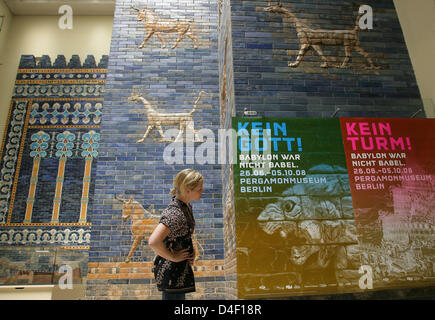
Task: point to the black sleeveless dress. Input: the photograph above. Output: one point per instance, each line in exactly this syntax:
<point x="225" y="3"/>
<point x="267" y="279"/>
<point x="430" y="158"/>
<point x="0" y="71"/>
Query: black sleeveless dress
<point x="176" y="277"/>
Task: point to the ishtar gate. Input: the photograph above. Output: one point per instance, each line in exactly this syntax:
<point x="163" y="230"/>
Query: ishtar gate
<point x="330" y="189"/>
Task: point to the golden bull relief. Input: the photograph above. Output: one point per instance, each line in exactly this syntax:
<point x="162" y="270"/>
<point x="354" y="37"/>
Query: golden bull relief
<point x="144" y="221"/>
<point x="156" y="25"/>
<point x="316" y="38"/>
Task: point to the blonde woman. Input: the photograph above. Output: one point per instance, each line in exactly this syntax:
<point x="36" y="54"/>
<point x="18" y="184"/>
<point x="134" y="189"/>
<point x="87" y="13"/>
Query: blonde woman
<point x="171" y="240"/>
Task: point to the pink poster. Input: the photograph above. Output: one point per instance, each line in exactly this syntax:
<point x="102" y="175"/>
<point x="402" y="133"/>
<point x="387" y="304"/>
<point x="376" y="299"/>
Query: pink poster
<point x="391" y="166"/>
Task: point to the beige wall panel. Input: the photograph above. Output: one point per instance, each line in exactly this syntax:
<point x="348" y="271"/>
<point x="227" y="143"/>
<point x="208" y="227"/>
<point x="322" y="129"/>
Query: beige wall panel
<point x="417" y="21"/>
<point x="41" y="35"/>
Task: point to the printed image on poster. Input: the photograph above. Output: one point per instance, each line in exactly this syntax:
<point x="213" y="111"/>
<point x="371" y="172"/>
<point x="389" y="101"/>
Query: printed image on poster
<point x="295" y="230"/>
<point x="391" y="165"/>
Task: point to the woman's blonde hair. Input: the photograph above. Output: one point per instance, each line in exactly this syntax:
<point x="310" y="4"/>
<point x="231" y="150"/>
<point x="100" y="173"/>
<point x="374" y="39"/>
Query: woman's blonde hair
<point x="186" y="179"/>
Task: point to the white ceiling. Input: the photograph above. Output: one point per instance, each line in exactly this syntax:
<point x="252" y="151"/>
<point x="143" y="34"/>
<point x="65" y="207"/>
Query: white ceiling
<point x="51" y="7"/>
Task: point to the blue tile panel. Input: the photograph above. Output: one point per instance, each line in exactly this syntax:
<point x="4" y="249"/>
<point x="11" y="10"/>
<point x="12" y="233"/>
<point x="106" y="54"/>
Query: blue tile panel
<point x="264" y="43"/>
<point x="171" y="79"/>
<point x="48" y="101"/>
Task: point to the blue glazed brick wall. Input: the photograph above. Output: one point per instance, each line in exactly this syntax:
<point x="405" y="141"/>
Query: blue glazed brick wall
<point x="171" y="80"/>
<point x="264" y="43"/>
<point x="48" y="99"/>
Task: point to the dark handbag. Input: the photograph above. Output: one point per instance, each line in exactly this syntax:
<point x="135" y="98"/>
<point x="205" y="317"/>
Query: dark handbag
<point x="156" y="266"/>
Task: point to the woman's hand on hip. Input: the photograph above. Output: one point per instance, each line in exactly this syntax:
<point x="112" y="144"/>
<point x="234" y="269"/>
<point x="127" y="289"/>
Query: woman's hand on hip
<point x="181" y="255"/>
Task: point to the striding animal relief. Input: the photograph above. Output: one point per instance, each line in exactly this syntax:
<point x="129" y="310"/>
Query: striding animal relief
<point x="315" y="38"/>
<point x="143" y="223"/>
<point x="158" y="119"/>
<point x="154" y="24"/>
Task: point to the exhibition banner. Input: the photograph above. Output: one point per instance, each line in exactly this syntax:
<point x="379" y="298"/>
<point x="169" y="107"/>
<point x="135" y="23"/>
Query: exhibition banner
<point x="312" y="216"/>
<point x="391" y="164"/>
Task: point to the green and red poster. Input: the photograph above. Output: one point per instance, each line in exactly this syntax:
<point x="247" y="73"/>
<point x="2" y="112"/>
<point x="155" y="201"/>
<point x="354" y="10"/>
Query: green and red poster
<point x="333" y="205"/>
